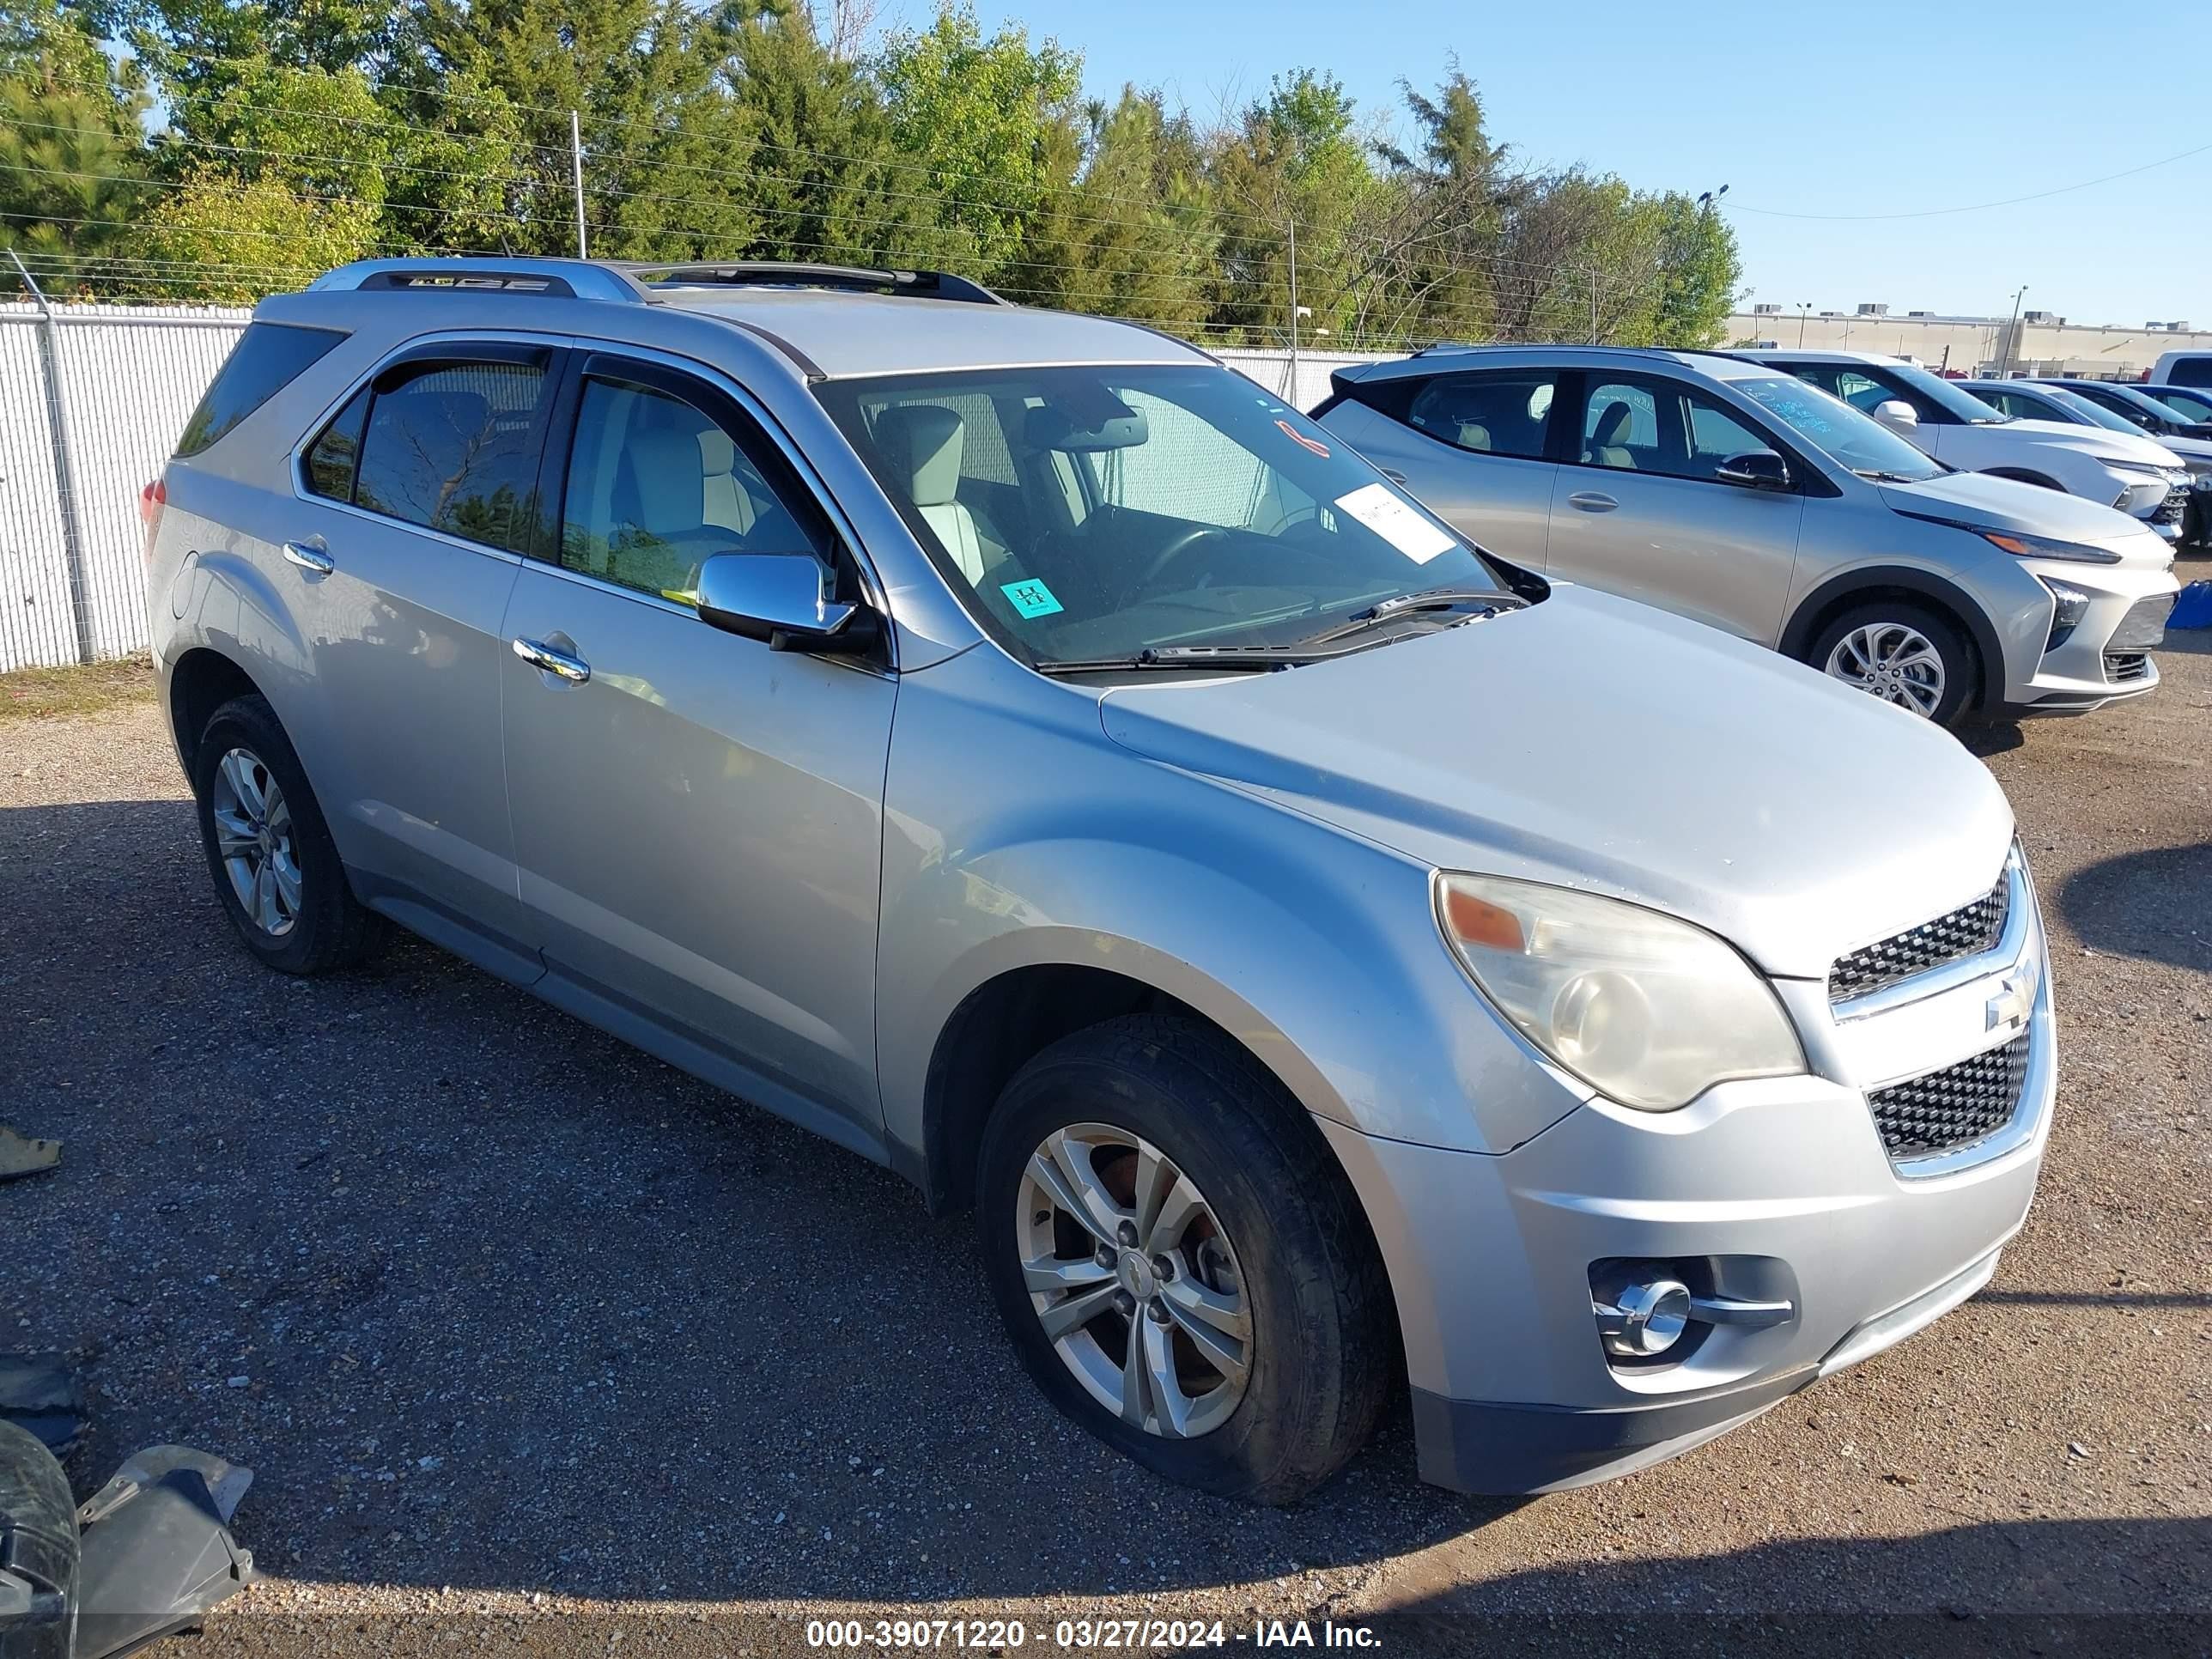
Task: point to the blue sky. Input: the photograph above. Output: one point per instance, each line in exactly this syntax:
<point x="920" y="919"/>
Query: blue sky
<point x="1874" y="108"/>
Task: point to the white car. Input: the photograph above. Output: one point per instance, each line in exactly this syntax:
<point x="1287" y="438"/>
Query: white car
<point x="2182" y="368"/>
<point x="2138" y="476"/>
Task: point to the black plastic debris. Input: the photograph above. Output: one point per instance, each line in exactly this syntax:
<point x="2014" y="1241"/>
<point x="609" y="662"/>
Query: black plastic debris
<point x="39" y="1552"/>
<point x="157" y="1549"/>
<point x="20" y="1155"/>
<point x="40" y="1393"/>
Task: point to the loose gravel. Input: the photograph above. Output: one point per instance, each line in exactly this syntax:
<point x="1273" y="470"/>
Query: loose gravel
<point x="538" y="1346"/>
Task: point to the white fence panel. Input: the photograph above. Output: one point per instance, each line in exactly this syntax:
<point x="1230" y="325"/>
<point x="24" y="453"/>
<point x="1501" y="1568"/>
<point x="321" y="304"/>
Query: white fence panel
<point x="130" y="376"/>
<point x="1270" y="368"/>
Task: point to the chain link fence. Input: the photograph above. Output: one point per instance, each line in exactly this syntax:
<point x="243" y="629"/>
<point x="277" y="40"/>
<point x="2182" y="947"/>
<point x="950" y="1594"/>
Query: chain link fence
<point x="92" y="399"/>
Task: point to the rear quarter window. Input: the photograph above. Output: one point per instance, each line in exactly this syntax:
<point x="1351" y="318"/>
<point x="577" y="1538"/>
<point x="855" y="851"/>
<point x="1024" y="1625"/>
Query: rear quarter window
<point x="268" y="357"/>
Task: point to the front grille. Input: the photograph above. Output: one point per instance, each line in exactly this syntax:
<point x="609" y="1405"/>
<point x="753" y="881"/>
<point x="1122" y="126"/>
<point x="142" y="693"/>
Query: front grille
<point x="1955" y="1107"/>
<point x="2121" y="666"/>
<point x="1966" y="932"/>
<point x="2170" y="509"/>
<point x="2144" y="624"/>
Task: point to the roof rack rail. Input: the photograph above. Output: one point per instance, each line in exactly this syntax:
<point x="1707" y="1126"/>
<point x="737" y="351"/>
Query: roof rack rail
<point x="1450" y="345"/>
<point x="759" y="273"/>
<point x="560" y="279"/>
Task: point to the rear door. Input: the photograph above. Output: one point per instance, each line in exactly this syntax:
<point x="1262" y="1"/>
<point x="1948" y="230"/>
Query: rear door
<point x="1470" y="447"/>
<point x="698" y="818"/>
<point x="1640" y="512"/>
<point x="414" y="496"/>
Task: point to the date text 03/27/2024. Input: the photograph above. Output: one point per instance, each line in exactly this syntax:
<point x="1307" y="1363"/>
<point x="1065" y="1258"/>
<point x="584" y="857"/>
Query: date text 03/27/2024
<point x="1088" y="1635"/>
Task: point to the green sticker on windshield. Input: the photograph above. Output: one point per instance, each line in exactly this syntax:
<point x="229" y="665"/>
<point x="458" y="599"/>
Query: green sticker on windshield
<point x="1031" y="598"/>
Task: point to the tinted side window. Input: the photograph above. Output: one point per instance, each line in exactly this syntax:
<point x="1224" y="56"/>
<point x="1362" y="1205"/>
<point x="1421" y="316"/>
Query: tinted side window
<point x="336" y="449"/>
<point x="1489" y="413"/>
<point x="454" y="446"/>
<point x="1664" y="428"/>
<point x="2192" y="371"/>
<point x="656" y="487"/>
<point x="268" y="357"/>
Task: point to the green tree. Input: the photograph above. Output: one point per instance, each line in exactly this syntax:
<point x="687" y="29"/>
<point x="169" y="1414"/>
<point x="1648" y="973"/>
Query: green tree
<point x="220" y="238"/>
<point x="72" y="153"/>
<point x="826" y="184"/>
<point x="667" y="144"/>
<point x="979" y="117"/>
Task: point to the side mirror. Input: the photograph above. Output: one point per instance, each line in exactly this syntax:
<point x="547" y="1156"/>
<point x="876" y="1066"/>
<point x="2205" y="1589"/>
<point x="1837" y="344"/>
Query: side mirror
<point x="1755" y="469"/>
<point x="1897" y="415"/>
<point x="781" y="597"/>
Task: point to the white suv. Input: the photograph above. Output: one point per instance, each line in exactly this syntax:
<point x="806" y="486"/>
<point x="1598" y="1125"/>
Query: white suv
<point x="2134" y="474"/>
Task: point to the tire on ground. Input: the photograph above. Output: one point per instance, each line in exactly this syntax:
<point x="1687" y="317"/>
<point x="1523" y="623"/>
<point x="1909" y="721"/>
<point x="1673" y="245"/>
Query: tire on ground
<point x="1962" y="675"/>
<point x="332" y="929"/>
<point x="1324" y="1349"/>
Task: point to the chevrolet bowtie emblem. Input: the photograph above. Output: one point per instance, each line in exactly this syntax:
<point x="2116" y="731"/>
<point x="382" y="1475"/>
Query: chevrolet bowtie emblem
<point x="2008" y="1011"/>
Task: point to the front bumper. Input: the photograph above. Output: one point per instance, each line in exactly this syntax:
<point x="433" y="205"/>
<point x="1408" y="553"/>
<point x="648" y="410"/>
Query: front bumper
<point x="1780" y="1187"/>
<point x="2107" y="656"/>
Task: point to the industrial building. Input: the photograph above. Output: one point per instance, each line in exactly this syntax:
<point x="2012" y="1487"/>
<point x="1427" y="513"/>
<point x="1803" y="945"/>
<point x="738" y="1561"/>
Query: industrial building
<point x="2041" y="342"/>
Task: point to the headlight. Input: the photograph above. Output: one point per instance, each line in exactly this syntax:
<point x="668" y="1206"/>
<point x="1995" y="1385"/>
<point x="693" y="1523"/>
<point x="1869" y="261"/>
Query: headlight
<point x="2176" y="478"/>
<point x="2042" y="547"/>
<point x="2069" y="604"/>
<point x="1648" y="1011"/>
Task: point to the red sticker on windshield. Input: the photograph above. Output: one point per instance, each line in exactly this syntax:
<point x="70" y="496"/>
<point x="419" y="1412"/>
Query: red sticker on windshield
<point x="1300" y="438"/>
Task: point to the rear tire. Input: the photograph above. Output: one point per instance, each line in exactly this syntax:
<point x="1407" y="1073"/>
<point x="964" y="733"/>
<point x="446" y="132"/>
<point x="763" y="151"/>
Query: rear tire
<point x="277" y="871"/>
<point x="1257" y="1230"/>
<point x="1907" y="654"/>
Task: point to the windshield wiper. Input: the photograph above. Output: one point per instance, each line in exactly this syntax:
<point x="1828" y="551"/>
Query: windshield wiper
<point x="1207" y="657"/>
<point x="1492" y="601"/>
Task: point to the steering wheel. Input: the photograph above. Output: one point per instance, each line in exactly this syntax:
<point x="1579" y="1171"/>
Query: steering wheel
<point x="1178" y="546"/>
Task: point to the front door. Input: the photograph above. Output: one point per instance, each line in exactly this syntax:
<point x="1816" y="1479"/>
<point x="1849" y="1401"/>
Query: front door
<point x="698" y="818"/>
<point x="1640" y="512"/>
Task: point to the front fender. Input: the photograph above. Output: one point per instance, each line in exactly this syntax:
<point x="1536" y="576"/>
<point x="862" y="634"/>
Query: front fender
<point x="1093" y="857"/>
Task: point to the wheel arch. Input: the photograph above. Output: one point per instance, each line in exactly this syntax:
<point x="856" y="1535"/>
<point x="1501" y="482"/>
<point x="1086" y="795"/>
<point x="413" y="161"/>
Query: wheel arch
<point x="200" y="682"/>
<point x="1857" y="586"/>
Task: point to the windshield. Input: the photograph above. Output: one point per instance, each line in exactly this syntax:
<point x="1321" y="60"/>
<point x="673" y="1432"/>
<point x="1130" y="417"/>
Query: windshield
<point x="1093" y="513"/>
<point x="1859" y="441"/>
<point x="2190" y="406"/>
<point x="2097" y="412"/>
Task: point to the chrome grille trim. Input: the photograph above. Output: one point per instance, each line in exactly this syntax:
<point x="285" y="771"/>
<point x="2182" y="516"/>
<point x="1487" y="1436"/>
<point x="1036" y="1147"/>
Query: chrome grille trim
<point x="1954" y="1108"/>
<point x="1974" y="939"/>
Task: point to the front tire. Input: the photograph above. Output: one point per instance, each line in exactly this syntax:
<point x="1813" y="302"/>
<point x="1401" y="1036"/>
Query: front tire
<point x="1180" y="1263"/>
<point x="277" y="871"/>
<point x="1904" y="654"/>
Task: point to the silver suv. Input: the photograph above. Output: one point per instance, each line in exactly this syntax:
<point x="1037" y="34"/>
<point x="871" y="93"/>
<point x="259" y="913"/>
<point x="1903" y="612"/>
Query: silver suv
<point x="1743" y="497"/>
<point x="1325" y="958"/>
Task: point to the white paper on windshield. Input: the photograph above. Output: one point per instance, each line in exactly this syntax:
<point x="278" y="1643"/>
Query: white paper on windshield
<point x="1374" y="505"/>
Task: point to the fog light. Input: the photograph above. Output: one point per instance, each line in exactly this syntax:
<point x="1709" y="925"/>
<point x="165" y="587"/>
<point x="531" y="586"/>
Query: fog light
<point x="1646" y="1318"/>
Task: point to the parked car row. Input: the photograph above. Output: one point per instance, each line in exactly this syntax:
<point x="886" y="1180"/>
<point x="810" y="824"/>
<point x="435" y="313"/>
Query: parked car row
<point x="1331" y="959"/>
<point x="1854" y="513"/>
<point x="2119" y="408"/>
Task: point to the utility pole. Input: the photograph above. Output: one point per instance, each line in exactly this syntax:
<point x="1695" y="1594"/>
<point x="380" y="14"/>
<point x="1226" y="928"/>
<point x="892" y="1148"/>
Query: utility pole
<point x="1295" y="400"/>
<point x="2012" y="336"/>
<point x="1593" y="276"/>
<point x="576" y="156"/>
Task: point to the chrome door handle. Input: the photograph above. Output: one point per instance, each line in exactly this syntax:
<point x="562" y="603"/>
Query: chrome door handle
<point x="1590" y="501"/>
<point x="560" y="663"/>
<point x="1392" y="474"/>
<point x="309" y="558"/>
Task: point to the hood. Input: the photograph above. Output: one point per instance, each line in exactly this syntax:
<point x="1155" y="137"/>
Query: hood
<point x="2028" y="509"/>
<point x="1591" y="742"/>
<point x="2100" y="441"/>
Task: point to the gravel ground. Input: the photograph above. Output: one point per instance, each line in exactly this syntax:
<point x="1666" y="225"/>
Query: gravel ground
<point x="539" y="1346"/>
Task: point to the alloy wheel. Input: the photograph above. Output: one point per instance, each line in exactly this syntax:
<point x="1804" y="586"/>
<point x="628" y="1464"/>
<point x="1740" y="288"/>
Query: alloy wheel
<point x="1894" y="660"/>
<point x="1134" y="1280"/>
<point x="253" y="838"/>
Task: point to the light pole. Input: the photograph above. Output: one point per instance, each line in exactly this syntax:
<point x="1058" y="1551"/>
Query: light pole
<point x="1804" y="311"/>
<point x="2012" y="336"/>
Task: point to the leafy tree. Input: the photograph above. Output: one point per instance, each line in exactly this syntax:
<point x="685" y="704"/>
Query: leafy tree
<point x="228" y="239"/>
<point x="978" y="116"/>
<point x="72" y="154"/>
